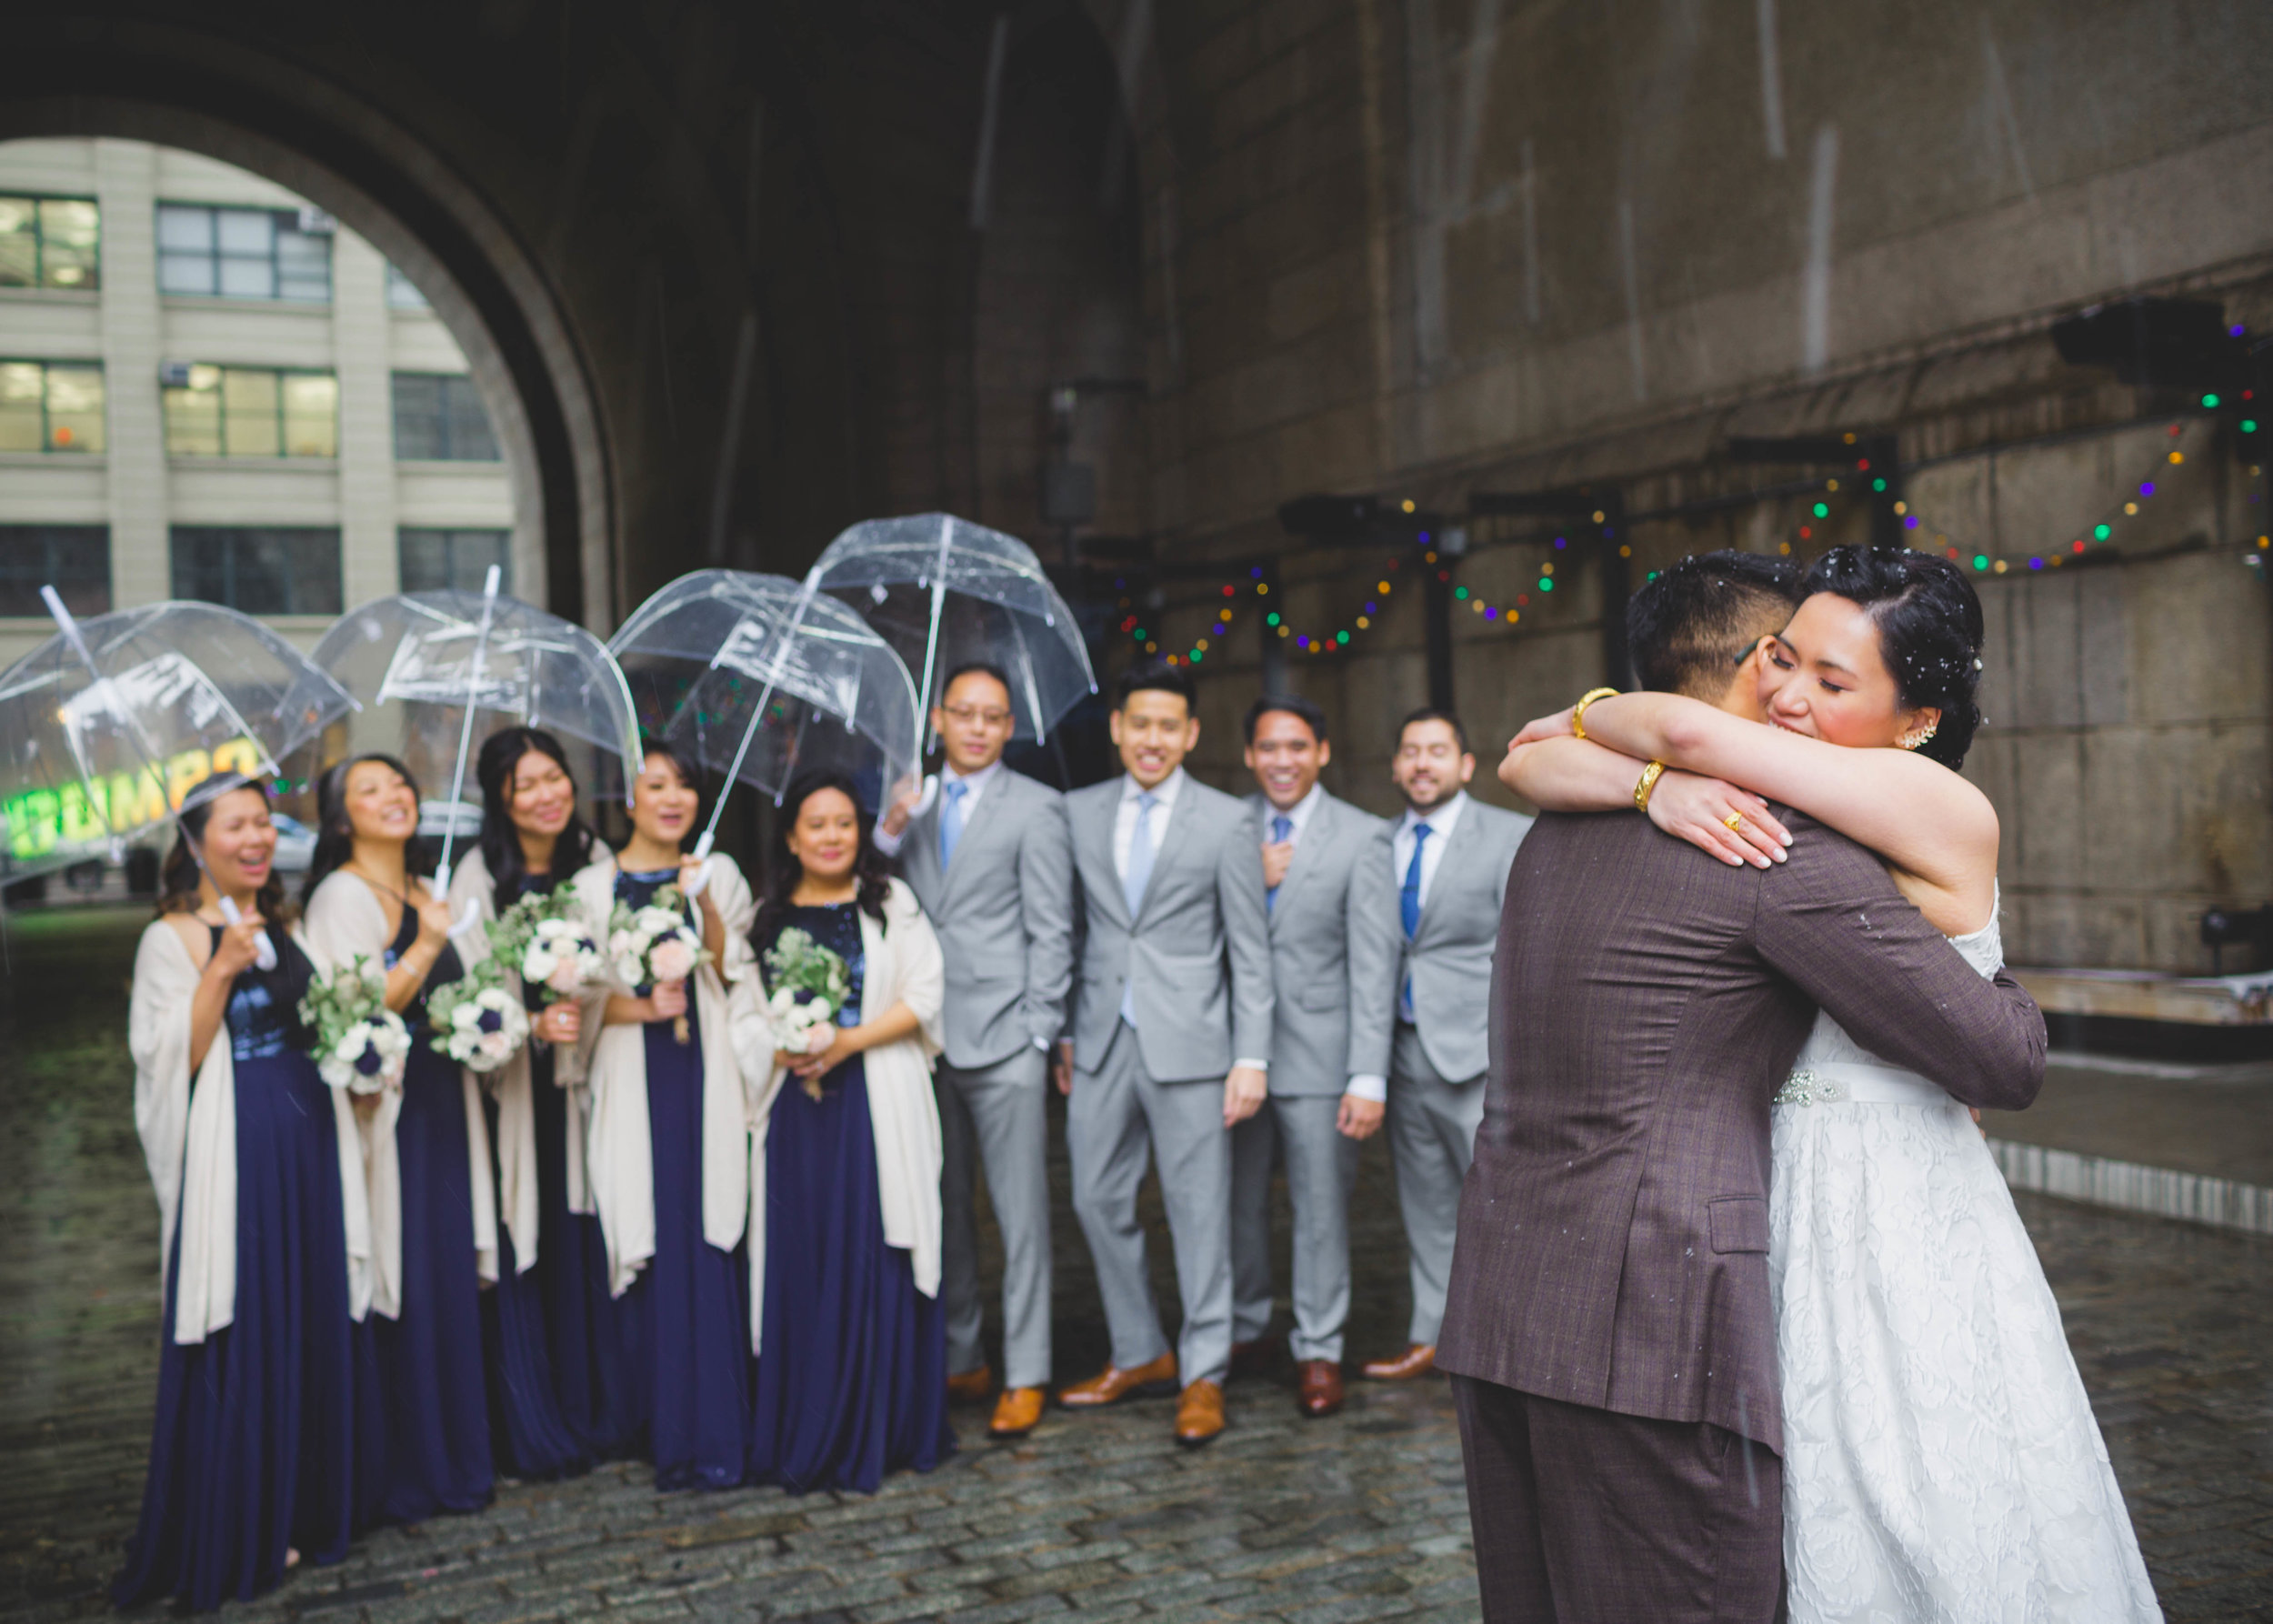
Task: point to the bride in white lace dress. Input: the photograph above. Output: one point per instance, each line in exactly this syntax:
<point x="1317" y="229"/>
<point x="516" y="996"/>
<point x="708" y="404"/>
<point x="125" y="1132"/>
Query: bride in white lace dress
<point x="1941" y="1461"/>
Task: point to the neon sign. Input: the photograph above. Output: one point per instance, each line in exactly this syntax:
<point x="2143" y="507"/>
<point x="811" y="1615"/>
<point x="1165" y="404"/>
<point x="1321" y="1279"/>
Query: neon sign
<point x="42" y="822"/>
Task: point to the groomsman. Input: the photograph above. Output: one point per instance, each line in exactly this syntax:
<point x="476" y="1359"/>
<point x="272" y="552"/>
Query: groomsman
<point x="1171" y="1044"/>
<point x="1448" y="858"/>
<point x="1332" y="952"/>
<point x="991" y="860"/>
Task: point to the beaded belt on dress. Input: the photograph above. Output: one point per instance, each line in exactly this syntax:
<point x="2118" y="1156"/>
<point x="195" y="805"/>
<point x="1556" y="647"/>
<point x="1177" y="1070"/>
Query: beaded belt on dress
<point x="1849" y="1082"/>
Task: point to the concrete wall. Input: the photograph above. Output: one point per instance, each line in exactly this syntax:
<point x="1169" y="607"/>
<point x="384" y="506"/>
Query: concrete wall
<point x="1423" y="249"/>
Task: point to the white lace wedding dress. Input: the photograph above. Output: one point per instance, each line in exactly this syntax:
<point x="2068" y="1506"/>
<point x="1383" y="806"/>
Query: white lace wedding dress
<point x="1941" y="1463"/>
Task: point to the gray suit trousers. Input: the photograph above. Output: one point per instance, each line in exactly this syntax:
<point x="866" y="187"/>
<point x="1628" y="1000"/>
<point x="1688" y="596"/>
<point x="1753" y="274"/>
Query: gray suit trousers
<point x="1432" y="1140"/>
<point x="1321" y="1166"/>
<point x="1001" y="1113"/>
<point x="1117" y="1116"/>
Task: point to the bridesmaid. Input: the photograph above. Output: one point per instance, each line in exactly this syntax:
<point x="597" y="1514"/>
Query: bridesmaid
<point x="433" y="1220"/>
<point x="669" y="1145"/>
<point x="539" y="1425"/>
<point x="852" y="1367"/>
<point x="267" y="1432"/>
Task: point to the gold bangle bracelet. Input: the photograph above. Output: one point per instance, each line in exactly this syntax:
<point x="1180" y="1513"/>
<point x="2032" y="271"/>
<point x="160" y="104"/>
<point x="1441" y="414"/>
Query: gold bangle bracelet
<point x="1578" y="711"/>
<point x="1650" y="775"/>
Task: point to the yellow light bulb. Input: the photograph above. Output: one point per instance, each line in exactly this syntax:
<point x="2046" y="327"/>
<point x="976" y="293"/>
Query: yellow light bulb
<point x="1407" y="504"/>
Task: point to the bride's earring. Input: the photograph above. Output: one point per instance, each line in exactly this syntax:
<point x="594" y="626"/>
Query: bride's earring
<point x="1922" y="737"/>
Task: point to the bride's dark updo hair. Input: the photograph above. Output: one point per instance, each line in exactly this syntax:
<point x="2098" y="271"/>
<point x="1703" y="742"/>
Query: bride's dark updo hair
<point x="1929" y="633"/>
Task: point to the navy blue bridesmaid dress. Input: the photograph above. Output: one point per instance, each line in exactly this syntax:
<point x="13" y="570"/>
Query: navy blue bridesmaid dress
<point x="529" y="1435"/>
<point x="685" y="1321"/>
<point x="430" y="1360"/>
<point x="268" y="1433"/>
<point x="582" y="1342"/>
<point x="852" y="1382"/>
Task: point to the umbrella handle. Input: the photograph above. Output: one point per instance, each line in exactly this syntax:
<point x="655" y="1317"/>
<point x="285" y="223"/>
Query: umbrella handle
<point x="265" y="953"/>
<point x="465" y="730"/>
<point x="701" y="854"/>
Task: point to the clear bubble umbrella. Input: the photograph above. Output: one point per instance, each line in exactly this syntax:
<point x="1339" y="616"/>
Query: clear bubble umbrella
<point x="946" y="592"/>
<point x="764" y="677"/>
<point x="108" y="728"/>
<point x="434" y="671"/>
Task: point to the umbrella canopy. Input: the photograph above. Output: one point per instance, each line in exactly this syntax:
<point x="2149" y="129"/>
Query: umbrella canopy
<point x="102" y="747"/>
<point x="411" y="662"/>
<point x="764" y="677"/>
<point x="945" y="592"/>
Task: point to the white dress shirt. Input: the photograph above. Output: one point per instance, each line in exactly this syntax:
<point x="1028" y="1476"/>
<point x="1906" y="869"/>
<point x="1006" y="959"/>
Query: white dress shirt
<point x="975" y="786"/>
<point x="1440" y="825"/>
<point x="1124" y="816"/>
<point x="1298" y="814"/>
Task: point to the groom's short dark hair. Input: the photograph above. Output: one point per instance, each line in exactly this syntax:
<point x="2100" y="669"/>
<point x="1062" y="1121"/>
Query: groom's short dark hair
<point x="1688" y="630"/>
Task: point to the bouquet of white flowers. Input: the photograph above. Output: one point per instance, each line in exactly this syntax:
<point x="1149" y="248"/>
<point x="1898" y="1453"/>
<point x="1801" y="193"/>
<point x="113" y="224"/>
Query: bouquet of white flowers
<point x="809" y="985"/>
<point x="361" y="1044"/>
<point x="476" y="1022"/>
<point x="545" y="937"/>
<point x="654" y="944"/>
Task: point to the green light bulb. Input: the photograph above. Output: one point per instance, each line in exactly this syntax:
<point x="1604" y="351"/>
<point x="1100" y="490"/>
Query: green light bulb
<point x="2210" y="401"/>
<point x="2101" y="532"/>
<point x="1980" y="561"/>
<point x="1547" y="583"/>
<point x="1822" y="511"/>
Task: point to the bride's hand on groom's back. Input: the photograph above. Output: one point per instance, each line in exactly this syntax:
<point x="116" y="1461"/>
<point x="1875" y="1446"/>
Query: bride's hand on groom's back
<point x="1555" y="726"/>
<point x="1732" y="823"/>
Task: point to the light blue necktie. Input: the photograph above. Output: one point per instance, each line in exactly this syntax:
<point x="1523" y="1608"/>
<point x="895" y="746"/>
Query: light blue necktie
<point x="1133" y="883"/>
<point x="1282" y="831"/>
<point x="951" y="820"/>
<point x="1408" y="903"/>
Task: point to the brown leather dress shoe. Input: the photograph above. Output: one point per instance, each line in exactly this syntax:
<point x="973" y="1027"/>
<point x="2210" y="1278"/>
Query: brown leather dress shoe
<point x="1252" y="1359"/>
<point x="1319" y="1387"/>
<point x="1199" y="1415"/>
<point x="1113" y="1384"/>
<point x="971" y="1387"/>
<point x="1016" y="1412"/>
<point x="1419" y="1360"/>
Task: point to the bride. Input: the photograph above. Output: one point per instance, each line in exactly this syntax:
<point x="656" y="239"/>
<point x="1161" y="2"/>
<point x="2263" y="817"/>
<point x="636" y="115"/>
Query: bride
<point x="1941" y="1462"/>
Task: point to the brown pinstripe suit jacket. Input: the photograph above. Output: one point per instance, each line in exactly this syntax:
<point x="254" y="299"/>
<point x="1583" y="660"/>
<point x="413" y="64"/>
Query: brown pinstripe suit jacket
<point x="1648" y="1001"/>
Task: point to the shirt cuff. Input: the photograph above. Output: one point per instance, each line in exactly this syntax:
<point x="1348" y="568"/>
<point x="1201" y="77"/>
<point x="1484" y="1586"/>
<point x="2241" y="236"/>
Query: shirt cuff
<point x="886" y="841"/>
<point x="1251" y="1065"/>
<point x="1366" y="1086"/>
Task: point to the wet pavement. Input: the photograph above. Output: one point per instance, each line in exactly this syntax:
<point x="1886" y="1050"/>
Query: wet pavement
<point x="1360" y="1517"/>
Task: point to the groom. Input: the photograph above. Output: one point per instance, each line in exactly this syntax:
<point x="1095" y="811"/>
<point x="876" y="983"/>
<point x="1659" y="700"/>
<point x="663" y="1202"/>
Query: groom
<point x="1609" y="1329"/>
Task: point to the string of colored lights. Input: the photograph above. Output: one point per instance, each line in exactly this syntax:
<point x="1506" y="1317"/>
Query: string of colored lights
<point x="1510" y="613"/>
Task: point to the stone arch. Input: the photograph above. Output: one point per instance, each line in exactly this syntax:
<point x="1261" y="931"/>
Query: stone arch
<point x="228" y="100"/>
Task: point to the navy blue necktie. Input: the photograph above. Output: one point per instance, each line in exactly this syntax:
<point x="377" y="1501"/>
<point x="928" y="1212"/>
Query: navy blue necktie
<point x="1409" y="906"/>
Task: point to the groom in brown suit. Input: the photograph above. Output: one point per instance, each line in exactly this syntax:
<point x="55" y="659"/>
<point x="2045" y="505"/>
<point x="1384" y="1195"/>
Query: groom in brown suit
<point x="1609" y="1332"/>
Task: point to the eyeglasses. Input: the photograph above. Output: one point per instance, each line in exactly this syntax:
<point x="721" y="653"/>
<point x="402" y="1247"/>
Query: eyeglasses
<point x="967" y="716"/>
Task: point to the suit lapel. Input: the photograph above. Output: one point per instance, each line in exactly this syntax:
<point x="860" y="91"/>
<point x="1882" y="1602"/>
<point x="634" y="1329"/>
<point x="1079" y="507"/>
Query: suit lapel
<point x="1170" y="843"/>
<point x="975" y="828"/>
<point x="1456" y="845"/>
<point x="1316" y="836"/>
<point x="1092" y="828"/>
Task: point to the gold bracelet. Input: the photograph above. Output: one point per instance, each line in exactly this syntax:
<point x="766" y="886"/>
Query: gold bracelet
<point x="1578" y="711"/>
<point x="1650" y="775"/>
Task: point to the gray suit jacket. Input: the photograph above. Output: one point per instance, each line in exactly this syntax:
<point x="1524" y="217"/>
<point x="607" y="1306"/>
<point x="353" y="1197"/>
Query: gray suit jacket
<point x="1449" y="959"/>
<point x="1197" y="955"/>
<point x="1003" y="910"/>
<point x="1648" y="1002"/>
<point x="1329" y="954"/>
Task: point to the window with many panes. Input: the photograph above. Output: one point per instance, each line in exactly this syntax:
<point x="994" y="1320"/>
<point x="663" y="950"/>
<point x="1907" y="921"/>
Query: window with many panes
<point x="439" y="417"/>
<point x="244" y="253"/>
<point x="437" y="560"/>
<point x="250" y="411"/>
<point x="51" y="405"/>
<point x="258" y="571"/>
<point x="50" y="242"/>
<point x="74" y="559"/>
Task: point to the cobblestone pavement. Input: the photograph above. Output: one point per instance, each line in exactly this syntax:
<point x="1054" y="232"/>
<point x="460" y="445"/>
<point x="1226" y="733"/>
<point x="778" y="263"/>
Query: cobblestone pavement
<point x="1361" y="1517"/>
